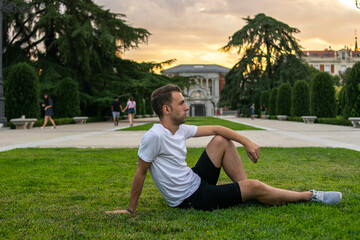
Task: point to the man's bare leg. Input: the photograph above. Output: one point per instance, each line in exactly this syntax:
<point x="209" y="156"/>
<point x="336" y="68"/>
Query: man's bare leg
<point x="256" y="190"/>
<point x="223" y="153"/>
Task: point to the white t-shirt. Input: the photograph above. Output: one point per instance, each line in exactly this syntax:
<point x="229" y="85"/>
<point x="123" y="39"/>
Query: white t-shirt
<point x="168" y="169"/>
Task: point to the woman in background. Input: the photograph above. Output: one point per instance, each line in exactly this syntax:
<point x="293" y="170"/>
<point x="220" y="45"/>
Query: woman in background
<point x="48" y="108"/>
<point x="131" y="107"/>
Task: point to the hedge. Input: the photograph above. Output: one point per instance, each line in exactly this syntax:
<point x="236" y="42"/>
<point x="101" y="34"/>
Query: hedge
<point x="352" y="92"/>
<point x="283" y="100"/>
<point x="22" y="92"/>
<point x="323" y="100"/>
<point x="301" y="99"/>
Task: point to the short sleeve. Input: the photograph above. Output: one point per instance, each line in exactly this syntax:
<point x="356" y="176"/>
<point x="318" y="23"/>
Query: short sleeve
<point x="188" y="130"/>
<point x="149" y="147"/>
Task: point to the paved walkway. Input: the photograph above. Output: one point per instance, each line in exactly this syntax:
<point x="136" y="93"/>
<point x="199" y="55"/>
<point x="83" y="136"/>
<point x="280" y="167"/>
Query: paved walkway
<point x="104" y="135"/>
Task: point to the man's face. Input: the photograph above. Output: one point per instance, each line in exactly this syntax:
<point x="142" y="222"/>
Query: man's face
<point x="178" y="108"/>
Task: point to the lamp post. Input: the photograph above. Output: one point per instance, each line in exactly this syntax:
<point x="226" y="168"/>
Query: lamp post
<point x="7" y="7"/>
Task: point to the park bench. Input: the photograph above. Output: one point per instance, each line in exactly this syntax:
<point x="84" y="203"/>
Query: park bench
<point x="80" y="120"/>
<point x="267" y="116"/>
<point x="308" y="119"/>
<point x="355" y="121"/>
<point x="282" y="117"/>
<point x="23" y="123"/>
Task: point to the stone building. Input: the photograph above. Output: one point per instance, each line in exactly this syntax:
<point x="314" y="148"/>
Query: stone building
<point x="333" y="62"/>
<point x="204" y="95"/>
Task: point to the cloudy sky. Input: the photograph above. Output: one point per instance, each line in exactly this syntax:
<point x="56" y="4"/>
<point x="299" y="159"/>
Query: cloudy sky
<point x="192" y="31"/>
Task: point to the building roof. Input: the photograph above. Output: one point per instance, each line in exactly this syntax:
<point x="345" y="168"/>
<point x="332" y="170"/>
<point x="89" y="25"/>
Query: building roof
<point x="196" y="68"/>
<point x="329" y="53"/>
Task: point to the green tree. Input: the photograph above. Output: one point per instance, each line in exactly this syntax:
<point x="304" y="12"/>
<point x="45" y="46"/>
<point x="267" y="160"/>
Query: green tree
<point x="290" y="68"/>
<point x="283" y="100"/>
<point x="352" y="92"/>
<point x="272" y="101"/>
<point x="22" y="92"/>
<point x="301" y="98"/>
<point x="262" y="44"/>
<point x="67" y="98"/>
<point x="76" y="39"/>
<point x="323" y="101"/>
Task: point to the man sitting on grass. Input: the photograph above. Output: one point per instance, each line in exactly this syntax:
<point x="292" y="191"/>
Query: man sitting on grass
<point x="163" y="152"/>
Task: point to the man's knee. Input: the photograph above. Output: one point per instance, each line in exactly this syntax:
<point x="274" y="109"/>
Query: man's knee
<point x="221" y="141"/>
<point x="252" y="188"/>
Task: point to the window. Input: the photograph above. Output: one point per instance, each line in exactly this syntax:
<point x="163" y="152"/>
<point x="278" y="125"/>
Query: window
<point x="314" y="55"/>
<point x="327" y="68"/>
<point x="343" y="68"/>
<point x="316" y="67"/>
<point x="343" y="55"/>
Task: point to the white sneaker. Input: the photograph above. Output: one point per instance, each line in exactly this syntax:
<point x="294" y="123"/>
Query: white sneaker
<point x="331" y="198"/>
<point x="42" y="128"/>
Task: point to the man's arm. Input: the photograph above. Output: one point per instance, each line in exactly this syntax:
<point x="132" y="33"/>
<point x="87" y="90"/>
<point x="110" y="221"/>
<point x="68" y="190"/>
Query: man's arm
<point x="136" y="187"/>
<point x="252" y="149"/>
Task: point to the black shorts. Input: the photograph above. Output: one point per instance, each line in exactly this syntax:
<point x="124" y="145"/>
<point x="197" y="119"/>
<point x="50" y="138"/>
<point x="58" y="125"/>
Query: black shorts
<point x="210" y="196"/>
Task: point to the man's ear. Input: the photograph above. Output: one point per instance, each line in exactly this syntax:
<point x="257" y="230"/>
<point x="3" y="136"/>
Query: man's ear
<point x="166" y="109"/>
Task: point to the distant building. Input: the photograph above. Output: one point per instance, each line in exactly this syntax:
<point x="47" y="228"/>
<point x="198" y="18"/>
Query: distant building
<point x="333" y="62"/>
<point x="204" y="96"/>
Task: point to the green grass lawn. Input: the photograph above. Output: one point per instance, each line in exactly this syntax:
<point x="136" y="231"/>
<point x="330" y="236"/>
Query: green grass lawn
<point x="199" y="121"/>
<point x="63" y="193"/>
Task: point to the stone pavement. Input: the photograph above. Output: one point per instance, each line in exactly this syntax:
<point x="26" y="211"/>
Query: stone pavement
<point x="104" y="135"/>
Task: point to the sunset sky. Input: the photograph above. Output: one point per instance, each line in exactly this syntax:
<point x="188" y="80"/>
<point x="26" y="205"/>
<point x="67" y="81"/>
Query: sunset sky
<point x="192" y="31"/>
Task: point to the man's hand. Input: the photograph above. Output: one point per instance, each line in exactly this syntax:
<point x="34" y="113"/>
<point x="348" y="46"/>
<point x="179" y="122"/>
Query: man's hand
<point x="124" y="211"/>
<point x="253" y="151"/>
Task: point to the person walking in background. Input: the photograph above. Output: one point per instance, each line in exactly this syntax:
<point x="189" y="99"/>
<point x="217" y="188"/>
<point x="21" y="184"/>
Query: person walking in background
<point x="115" y="108"/>
<point x="263" y="111"/>
<point x="252" y="108"/>
<point x="48" y="108"/>
<point x="131" y="107"/>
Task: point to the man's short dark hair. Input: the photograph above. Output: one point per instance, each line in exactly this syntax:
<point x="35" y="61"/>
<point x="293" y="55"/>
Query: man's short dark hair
<point x="162" y="96"/>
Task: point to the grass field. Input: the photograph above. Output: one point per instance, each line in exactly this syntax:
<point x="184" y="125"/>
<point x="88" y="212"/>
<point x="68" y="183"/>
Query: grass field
<point x="63" y="193"/>
<point x="199" y="121"/>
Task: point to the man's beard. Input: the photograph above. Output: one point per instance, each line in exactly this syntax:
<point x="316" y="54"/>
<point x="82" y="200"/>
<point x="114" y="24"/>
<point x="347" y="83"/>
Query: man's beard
<point x="178" y="121"/>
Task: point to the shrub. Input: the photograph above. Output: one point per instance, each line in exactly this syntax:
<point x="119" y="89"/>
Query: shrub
<point x="272" y="101"/>
<point x="264" y="98"/>
<point x="301" y="99"/>
<point x="22" y="92"/>
<point x="67" y="96"/>
<point x="323" y="101"/>
<point x="352" y="92"/>
<point x="341" y="100"/>
<point x="283" y="100"/>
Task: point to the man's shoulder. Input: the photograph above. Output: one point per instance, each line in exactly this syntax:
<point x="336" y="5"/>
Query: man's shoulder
<point x="155" y="130"/>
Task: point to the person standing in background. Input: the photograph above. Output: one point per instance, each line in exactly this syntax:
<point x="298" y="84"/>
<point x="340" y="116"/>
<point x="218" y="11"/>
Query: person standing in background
<point x="131" y="107"/>
<point x="48" y="108"/>
<point x="115" y="108"/>
<point x="252" y="108"/>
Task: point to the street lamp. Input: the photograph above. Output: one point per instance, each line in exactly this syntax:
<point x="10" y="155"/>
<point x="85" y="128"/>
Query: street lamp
<point x="7" y="7"/>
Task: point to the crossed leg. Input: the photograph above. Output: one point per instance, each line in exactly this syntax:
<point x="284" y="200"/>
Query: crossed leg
<point x="222" y="152"/>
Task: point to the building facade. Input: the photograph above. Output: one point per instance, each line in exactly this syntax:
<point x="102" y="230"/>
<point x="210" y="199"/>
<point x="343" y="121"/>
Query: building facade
<point x="204" y="95"/>
<point x="333" y="62"/>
